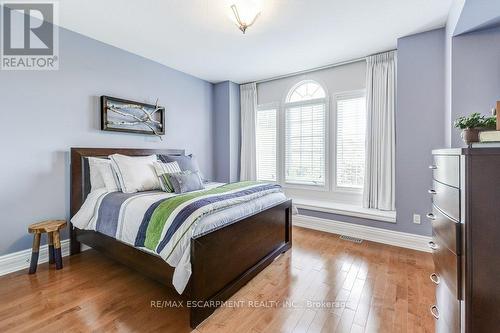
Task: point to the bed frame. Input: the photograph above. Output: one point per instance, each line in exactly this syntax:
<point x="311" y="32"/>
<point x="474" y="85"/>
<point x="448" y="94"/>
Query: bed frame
<point x="217" y="273"/>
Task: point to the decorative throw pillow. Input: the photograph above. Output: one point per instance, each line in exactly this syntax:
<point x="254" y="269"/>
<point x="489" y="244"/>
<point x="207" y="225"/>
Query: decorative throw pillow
<point x="162" y="171"/>
<point x="186" y="162"/>
<point x="135" y="173"/>
<point x="186" y="181"/>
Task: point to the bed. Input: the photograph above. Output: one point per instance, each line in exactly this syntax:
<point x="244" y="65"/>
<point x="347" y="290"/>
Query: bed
<point x="255" y="241"/>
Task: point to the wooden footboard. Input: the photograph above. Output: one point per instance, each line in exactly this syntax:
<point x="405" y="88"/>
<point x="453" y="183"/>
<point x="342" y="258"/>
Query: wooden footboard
<point x="225" y="260"/>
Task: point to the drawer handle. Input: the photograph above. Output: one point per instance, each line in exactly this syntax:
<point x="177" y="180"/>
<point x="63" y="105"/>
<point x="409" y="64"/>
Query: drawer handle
<point x="431" y="216"/>
<point x="434" y="311"/>
<point x="435" y="278"/>
<point x="433" y="192"/>
<point x="433" y="167"/>
<point x="432" y="245"/>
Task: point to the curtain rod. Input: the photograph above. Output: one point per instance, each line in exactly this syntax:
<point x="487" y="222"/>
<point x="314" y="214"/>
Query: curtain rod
<point x="347" y="62"/>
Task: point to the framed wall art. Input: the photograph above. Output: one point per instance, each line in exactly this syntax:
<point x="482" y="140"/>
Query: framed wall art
<point x="121" y="115"/>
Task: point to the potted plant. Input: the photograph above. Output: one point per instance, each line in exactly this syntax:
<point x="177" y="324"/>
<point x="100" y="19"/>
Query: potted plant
<point x="473" y="124"/>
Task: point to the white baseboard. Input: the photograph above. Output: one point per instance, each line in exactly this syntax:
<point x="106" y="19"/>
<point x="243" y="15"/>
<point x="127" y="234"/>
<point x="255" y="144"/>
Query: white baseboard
<point x="384" y="236"/>
<point x="17" y="261"/>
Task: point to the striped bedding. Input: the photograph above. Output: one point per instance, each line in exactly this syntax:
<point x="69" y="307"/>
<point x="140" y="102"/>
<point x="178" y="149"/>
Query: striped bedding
<point x="163" y="223"/>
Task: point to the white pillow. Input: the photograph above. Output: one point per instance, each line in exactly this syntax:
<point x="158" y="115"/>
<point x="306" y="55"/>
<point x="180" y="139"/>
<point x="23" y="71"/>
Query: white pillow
<point x="135" y="173"/>
<point x="109" y="177"/>
<point x="96" y="181"/>
<point x="102" y="175"/>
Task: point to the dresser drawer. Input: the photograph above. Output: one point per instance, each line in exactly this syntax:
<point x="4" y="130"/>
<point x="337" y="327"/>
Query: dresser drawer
<point x="447" y="199"/>
<point x="447" y="230"/>
<point x="446" y="169"/>
<point x="446" y="264"/>
<point x="446" y="310"/>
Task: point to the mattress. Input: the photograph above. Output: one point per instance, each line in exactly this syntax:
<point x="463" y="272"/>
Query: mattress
<point x="122" y="216"/>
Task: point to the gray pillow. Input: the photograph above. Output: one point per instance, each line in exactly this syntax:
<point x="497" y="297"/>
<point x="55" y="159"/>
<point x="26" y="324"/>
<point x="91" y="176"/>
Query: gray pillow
<point x="185" y="181"/>
<point x="186" y="162"/>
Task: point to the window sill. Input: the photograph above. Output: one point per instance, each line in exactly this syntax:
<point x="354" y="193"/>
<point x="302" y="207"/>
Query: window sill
<point x="346" y="209"/>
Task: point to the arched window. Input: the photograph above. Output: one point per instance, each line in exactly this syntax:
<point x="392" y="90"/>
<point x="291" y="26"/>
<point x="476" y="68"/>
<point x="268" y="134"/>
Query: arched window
<point x="305" y="91"/>
<point x="305" y="134"/>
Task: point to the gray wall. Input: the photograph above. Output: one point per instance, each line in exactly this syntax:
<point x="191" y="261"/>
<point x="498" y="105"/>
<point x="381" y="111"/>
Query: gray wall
<point x="226" y="131"/>
<point x="478" y="14"/>
<point x="476" y="75"/>
<point x="45" y="113"/>
<point x="419" y="122"/>
<point x="472" y="62"/>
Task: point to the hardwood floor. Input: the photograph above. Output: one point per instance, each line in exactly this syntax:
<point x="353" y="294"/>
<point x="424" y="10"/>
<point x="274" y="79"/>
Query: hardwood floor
<point x="375" y="287"/>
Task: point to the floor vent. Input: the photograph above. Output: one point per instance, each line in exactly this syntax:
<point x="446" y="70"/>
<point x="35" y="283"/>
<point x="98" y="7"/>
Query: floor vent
<point x="351" y="239"/>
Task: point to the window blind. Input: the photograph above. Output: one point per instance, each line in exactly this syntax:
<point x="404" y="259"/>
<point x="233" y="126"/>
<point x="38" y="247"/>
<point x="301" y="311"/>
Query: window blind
<point x="265" y="133"/>
<point x="351" y="126"/>
<point x="305" y="144"/>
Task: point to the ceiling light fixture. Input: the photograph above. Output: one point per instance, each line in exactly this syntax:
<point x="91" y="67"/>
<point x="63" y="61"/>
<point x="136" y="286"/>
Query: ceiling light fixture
<point x="242" y="23"/>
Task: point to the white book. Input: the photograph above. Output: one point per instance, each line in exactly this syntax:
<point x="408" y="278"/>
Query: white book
<point x="485" y="145"/>
<point x="489" y="136"/>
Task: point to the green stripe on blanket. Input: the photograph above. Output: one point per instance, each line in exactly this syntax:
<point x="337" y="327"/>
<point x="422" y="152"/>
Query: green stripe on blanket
<point x="167" y="207"/>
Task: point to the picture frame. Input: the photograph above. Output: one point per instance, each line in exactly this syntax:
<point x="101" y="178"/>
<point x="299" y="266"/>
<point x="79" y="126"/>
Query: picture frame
<point x="122" y="115"/>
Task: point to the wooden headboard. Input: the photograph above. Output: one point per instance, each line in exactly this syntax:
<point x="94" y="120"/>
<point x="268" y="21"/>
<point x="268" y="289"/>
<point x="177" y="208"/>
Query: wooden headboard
<point x="80" y="175"/>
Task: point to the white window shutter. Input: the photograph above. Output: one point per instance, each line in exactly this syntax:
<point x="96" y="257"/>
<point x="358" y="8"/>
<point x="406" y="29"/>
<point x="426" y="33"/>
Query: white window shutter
<point x="266" y="144"/>
<point x="305" y="144"/>
<point x="350" y="141"/>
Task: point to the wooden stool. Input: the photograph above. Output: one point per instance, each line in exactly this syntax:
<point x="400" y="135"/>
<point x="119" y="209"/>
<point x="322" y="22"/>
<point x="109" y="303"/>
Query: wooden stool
<point x="51" y="227"/>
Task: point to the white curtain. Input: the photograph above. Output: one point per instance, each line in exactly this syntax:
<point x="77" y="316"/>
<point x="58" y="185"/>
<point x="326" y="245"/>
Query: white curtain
<point x="380" y="132"/>
<point x="248" y="98"/>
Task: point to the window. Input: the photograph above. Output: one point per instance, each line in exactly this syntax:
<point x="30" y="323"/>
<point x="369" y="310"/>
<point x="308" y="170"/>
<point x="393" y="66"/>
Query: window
<point x="265" y="133"/>
<point x="306" y="91"/>
<point x="350" y="141"/>
<point x="305" y="135"/>
<point x="316" y="152"/>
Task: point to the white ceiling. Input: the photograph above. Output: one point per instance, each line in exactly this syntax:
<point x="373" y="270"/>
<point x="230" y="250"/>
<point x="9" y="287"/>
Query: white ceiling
<point x="197" y="36"/>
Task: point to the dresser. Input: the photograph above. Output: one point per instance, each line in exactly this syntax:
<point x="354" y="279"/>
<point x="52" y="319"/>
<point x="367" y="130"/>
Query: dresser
<point x="465" y="244"/>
